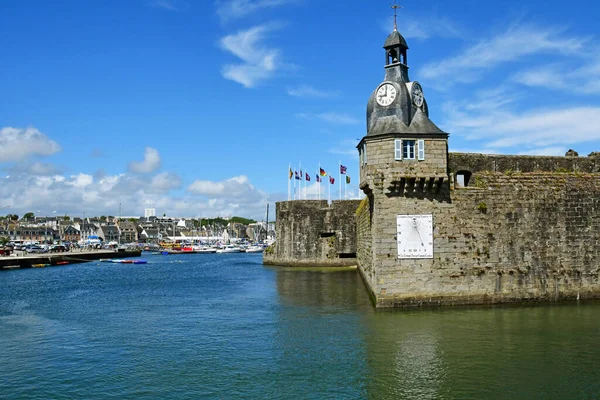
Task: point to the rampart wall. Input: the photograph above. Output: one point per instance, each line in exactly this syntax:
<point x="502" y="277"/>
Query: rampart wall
<point x="312" y="233"/>
<point x="508" y="237"/>
<point x="475" y="162"/>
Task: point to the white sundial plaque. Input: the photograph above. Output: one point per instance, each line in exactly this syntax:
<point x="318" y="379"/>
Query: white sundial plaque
<point x="415" y="236"/>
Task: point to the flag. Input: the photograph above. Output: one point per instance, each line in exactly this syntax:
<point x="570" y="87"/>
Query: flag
<point x="322" y="172"/>
<point x="331" y="180"/>
<point x="342" y="169"/>
<point x="296" y="176"/>
<point x="318" y="178"/>
<point x="291" y="173"/>
<point x="307" y="177"/>
<point x="347" y="179"/>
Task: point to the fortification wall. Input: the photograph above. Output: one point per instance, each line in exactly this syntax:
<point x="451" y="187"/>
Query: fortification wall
<point x="312" y="233"/>
<point x="475" y="162"/>
<point x="514" y="237"/>
<point x="364" y="241"/>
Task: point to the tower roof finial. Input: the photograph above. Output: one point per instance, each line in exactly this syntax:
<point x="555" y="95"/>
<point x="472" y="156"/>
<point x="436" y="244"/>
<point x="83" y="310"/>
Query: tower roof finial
<point x="395" y="7"/>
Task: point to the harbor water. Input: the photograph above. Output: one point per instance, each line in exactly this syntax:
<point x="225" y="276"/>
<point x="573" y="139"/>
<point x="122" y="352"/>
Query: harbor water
<point x="223" y="326"/>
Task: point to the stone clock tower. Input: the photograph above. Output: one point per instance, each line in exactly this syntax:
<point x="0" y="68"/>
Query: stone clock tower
<point x="404" y="174"/>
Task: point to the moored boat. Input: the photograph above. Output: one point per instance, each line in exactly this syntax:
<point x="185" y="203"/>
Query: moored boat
<point x="255" y="249"/>
<point x="229" y="248"/>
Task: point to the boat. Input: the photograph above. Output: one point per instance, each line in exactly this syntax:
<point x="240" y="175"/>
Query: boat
<point x="62" y="263"/>
<point x="39" y="265"/>
<point x="229" y="248"/>
<point x="140" y="262"/>
<point x="11" y="267"/>
<point x="204" y="249"/>
<point x="255" y="249"/>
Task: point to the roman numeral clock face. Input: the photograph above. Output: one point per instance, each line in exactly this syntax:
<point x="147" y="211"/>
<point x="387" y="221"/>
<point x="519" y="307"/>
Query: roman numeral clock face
<point x="415" y="236"/>
<point x="386" y="94"/>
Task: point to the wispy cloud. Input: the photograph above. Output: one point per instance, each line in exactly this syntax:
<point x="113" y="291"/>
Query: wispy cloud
<point x="529" y="132"/>
<point x="234" y="9"/>
<point x="346" y="148"/>
<point x="259" y="61"/>
<point x="516" y="42"/>
<point x="583" y="79"/>
<point x="311" y="92"/>
<point x="332" y="118"/>
<point x="170" y="5"/>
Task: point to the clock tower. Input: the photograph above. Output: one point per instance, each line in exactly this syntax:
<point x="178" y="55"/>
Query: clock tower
<point x="404" y="174"/>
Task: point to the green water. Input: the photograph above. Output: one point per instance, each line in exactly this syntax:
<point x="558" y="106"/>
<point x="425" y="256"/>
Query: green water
<point x="222" y="326"/>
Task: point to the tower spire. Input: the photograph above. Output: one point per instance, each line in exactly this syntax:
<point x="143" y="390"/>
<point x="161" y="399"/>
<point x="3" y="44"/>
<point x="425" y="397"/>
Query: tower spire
<point x="395" y="7"/>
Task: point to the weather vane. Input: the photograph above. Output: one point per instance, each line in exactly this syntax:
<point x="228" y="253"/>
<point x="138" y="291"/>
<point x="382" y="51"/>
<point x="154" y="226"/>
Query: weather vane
<point x="395" y="6"/>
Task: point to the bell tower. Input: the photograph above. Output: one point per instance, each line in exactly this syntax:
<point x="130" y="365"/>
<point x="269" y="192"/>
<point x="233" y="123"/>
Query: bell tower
<point x="402" y="143"/>
<point x="404" y="175"/>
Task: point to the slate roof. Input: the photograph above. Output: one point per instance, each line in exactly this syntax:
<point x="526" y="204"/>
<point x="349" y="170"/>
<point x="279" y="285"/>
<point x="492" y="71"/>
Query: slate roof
<point x="394" y="40"/>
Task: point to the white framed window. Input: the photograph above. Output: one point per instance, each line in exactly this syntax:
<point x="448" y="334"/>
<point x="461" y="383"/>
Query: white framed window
<point x="398" y="149"/>
<point x="408" y="149"/>
<point x="421" y="149"/>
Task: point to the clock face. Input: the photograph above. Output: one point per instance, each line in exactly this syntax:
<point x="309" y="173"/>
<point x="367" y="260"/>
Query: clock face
<point x="417" y="94"/>
<point x="415" y="236"/>
<point x="386" y="94"/>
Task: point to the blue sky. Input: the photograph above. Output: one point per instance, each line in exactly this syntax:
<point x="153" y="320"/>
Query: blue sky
<point x="198" y="107"/>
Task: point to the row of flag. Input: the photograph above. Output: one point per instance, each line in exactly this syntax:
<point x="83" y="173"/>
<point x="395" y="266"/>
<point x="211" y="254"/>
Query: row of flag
<point x="318" y="177"/>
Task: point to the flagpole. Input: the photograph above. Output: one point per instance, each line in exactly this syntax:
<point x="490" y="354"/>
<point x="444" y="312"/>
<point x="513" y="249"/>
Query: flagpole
<point x="294" y="192"/>
<point x="289" y="183"/>
<point x="340" y="177"/>
<point x="329" y="199"/>
<point x="319" y="182"/>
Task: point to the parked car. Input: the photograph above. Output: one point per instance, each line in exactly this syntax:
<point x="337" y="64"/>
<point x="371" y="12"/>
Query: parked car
<point x="36" y="249"/>
<point x="58" y="248"/>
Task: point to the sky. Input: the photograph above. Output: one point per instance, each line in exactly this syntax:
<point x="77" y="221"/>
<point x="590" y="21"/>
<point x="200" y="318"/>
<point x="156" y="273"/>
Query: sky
<point x="197" y="108"/>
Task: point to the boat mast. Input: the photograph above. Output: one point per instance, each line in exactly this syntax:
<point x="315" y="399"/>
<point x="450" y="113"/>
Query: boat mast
<point x="267" y="227"/>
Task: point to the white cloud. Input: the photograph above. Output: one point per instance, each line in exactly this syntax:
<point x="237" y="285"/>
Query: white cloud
<point x="515" y="43"/>
<point x="259" y="62"/>
<point x="332" y="118"/>
<point x="234" y="9"/>
<point x="150" y="164"/>
<point x="18" y="144"/>
<point x="583" y="79"/>
<point x="545" y="131"/>
<point x="101" y="195"/>
<point x="165" y="182"/>
<point x="311" y="92"/>
<point x="170" y="5"/>
<point x="34" y="168"/>
<point x="236" y="187"/>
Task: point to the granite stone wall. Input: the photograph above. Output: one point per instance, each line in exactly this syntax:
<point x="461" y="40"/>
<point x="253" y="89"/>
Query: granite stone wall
<point x="510" y="237"/>
<point x="475" y="162"/>
<point x="312" y="233"/>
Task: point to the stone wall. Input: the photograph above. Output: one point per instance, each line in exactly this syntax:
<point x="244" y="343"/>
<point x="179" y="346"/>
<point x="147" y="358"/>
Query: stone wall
<point x="513" y="237"/>
<point x="312" y="233"/>
<point x="380" y="160"/>
<point x="364" y="241"/>
<point x="474" y="162"/>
